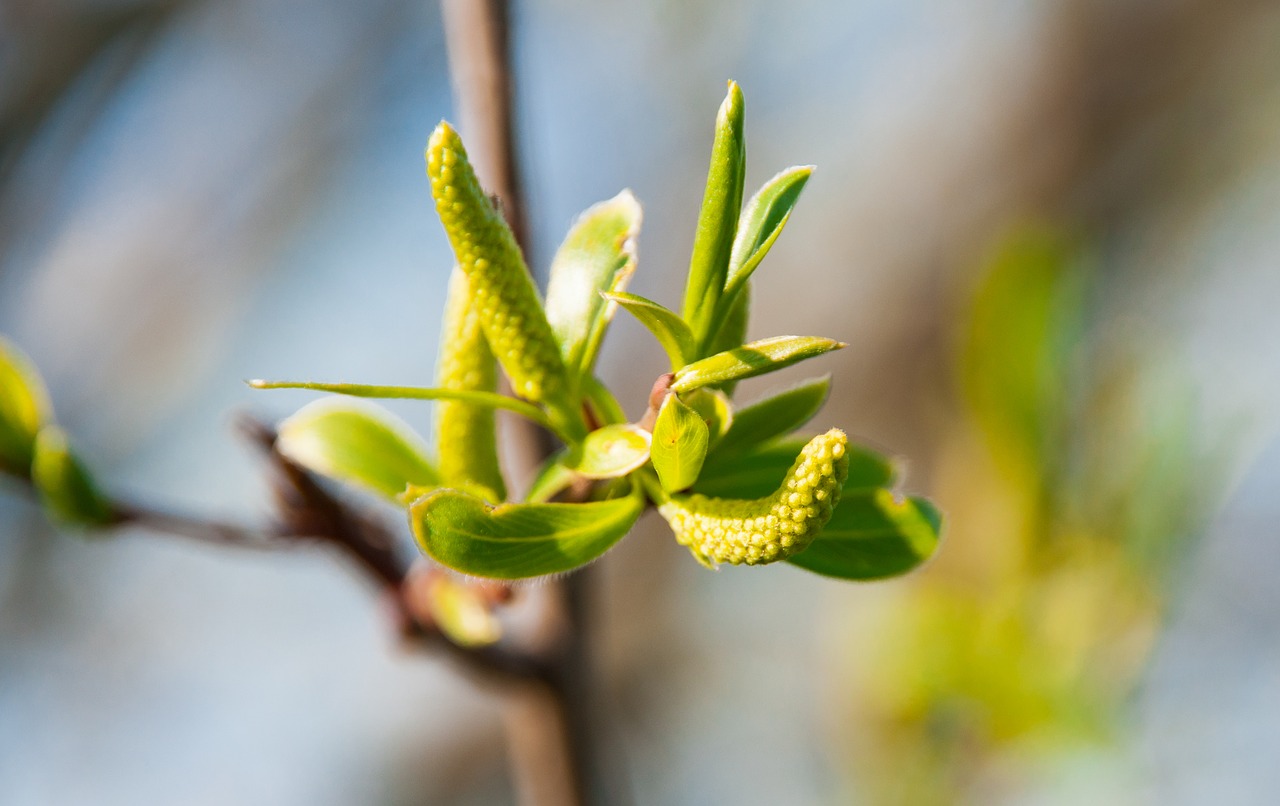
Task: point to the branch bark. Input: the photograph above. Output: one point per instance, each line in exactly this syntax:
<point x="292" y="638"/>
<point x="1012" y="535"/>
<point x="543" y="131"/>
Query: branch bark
<point x="553" y="749"/>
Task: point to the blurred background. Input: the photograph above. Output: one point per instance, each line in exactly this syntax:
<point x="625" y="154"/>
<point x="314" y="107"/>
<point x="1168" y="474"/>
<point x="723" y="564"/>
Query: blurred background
<point x="1049" y="231"/>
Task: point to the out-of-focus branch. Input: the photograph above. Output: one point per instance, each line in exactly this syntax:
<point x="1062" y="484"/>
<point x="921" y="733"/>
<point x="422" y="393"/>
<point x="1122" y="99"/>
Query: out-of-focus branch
<point x="553" y="749"/>
<point x="476" y="33"/>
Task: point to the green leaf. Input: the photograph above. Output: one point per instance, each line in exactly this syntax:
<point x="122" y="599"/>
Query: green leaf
<point x="1021" y="338"/>
<point x="602" y="402"/>
<point x="680" y="438"/>
<point x="670" y="330"/>
<point x="759" y="471"/>
<point x="490" y="399"/>
<point x="598" y="255"/>
<point x="24" y="408"/>
<point x="553" y="478"/>
<point x="749" y="360"/>
<point x="714" y="408"/>
<point x="872" y="535"/>
<point x="517" y="541"/>
<point x="718" y="218"/>
<point x="461" y="612"/>
<point x="773" y="416"/>
<point x="67" y="490"/>
<point x="610" y="452"/>
<point x="761" y="224"/>
<point x="733" y="330"/>
<point x="357" y="443"/>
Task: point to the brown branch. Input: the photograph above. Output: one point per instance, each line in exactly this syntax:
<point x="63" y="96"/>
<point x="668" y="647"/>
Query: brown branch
<point x="553" y="746"/>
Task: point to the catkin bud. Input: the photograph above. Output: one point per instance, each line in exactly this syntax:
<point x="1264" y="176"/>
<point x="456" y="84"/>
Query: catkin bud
<point x="468" y="448"/>
<point x="502" y="290"/>
<point x="765" y="530"/>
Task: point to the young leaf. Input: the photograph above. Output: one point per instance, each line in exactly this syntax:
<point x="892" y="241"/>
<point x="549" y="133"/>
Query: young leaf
<point x="873" y="535"/>
<point x="733" y="330"/>
<point x="718" y="219"/>
<point x="761" y="224"/>
<point x="749" y="360"/>
<point x="67" y="490"/>
<point x="775" y="527"/>
<point x="760" y="470"/>
<point x="598" y="255"/>
<point x="714" y="408"/>
<point x="773" y="416"/>
<point x="680" y="438"/>
<point x="491" y="400"/>
<point x="24" y="408"/>
<point x="670" y="330"/>
<point x="466" y="434"/>
<point x="358" y="443"/>
<point x="604" y="406"/>
<point x="553" y="478"/>
<point x="517" y="541"/>
<point x="610" y="452"/>
<point x="462" y="612"/>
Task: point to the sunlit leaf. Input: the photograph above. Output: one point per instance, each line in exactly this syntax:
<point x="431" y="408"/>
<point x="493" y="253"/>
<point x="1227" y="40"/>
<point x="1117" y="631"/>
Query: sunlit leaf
<point x="733" y="330"/>
<point x="718" y="218"/>
<point x="714" y="408"/>
<point x="749" y="360"/>
<point x="762" y="221"/>
<point x="24" y="408"/>
<point x="680" y="439"/>
<point x="668" y="328"/>
<point x="553" y="478"/>
<point x="759" y="471"/>
<point x="462" y="612"/>
<point x="604" y="406"/>
<point x="66" y="489"/>
<point x="609" y="452"/>
<point x="377" y="391"/>
<point x="775" y="415"/>
<point x="598" y="255"/>
<point x="516" y="541"/>
<point x="358" y="443"/>
<point x="872" y="535"/>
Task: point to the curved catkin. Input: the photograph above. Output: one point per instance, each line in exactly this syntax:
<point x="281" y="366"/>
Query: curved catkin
<point x="468" y="447"/>
<point x="765" y="530"/>
<point x="502" y="290"/>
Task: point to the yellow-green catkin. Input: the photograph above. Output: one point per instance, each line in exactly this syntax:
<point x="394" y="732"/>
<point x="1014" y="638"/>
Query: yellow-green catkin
<point x="765" y="530"/>
<point x="465" y="433"/>
<point x="502" y="291"/>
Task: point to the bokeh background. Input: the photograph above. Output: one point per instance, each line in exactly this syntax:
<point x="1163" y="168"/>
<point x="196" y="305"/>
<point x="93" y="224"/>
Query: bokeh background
<point x="1049" y="231"/>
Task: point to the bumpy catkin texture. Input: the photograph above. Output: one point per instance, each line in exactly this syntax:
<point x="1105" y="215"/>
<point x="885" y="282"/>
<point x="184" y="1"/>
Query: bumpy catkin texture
<point x="502" y="290"/>
<point x="468" y="447"/>
<point x="765" y="530"/>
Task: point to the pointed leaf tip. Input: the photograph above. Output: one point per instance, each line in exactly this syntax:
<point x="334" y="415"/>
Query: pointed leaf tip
<point x="749" y="360"/>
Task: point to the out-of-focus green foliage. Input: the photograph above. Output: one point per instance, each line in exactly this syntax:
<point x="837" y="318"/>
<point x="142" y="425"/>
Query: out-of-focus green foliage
<point x="24" y="408"/>
<point x="1074" y="490"/>
<point x="67" y="490"/>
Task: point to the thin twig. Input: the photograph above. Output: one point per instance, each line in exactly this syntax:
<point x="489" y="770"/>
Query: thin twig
<point x="195" y="528"/>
